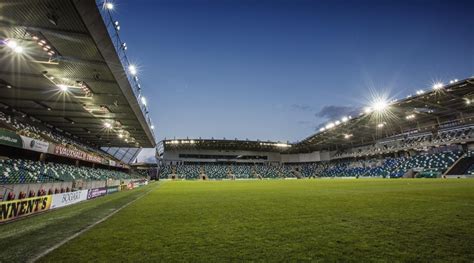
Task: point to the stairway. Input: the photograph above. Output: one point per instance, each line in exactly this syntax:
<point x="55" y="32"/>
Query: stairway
<point x="461" y="166"/>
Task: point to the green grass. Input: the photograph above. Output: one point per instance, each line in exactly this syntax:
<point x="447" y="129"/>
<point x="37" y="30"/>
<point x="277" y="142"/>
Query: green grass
<point x="292" y="220"/>
<point x="24" y="239"/>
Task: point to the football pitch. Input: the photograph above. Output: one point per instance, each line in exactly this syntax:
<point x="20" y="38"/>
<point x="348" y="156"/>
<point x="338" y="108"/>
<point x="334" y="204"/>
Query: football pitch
<point x="277" y="220"/>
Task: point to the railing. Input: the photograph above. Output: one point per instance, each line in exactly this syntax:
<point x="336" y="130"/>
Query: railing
<point x="121" y="47"/>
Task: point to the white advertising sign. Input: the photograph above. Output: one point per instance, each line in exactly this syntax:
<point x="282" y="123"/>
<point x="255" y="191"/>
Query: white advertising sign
<point x="64" y="199"/>
<point x="34" y="145"/>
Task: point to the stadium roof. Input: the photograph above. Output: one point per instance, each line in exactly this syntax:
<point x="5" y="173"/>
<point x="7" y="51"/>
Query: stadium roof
<point x="444" y="105"/>
<point x="216" y="144"/>
<point x="62" y="64"/>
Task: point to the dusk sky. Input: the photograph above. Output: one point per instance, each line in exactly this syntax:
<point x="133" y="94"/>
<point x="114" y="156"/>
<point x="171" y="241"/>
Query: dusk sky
<point x="275" y="70"/>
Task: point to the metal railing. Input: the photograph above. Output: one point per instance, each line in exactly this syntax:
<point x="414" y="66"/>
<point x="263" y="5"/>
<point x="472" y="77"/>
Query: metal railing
<point x="120" y="46"/>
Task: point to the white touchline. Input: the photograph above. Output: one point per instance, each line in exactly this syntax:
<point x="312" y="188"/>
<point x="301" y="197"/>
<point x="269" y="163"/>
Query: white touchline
<point x="49" y="250"/>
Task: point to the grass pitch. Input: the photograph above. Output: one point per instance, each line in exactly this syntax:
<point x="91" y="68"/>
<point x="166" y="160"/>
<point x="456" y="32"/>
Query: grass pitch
<point x="287" y="220"/>
<point x="278" y="220"/>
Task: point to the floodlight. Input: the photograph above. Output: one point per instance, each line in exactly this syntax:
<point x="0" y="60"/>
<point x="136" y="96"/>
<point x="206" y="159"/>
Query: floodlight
<point x="379" y="105"/>
<point x="107" y="125"/>
<point x="132" y="69"/>
<point x="63" y="87"/>
<point x="143" y="99"/>
<point x="344" y="119"/>
<point x="438" y="85"/>
<point x="329" y="126"/>
<point x="18" y="49"/>
<point x="12" y="44"/>
<point x="420" y="92"/>
<point x="109" y="5"/>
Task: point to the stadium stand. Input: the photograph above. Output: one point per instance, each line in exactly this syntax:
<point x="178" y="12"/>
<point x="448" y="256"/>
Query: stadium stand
<point x="18" y="171"/>
<point x="421" y="164"/>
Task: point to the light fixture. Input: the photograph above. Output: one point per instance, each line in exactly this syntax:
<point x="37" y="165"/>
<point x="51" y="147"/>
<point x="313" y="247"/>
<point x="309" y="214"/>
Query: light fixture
<point x="132" y="69"/>
<point x="109" y="5"/>
<point x="107" y="125"/>
<point x="152" y="127"/>
<point x="63" y="87"/>
<point x="345" y="119"/>
<point x="12" y="44"/>
<point x="143" y="99"/>
<point x="380" y="125"/>
<point x="438" y="86"/>
<point x="18" y="49"/>
<point x="322" y="129"/>
<point x="420" y="92"/>
<point x="379" y="105"/>
<point x="329" y="126"/>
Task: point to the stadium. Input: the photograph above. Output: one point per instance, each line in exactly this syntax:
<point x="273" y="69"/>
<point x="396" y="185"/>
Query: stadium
<point x="391" y="180"/>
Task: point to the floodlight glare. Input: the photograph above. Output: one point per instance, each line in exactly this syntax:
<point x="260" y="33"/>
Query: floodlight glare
<point x="329" y="126"/>
<point x="367" y="110"/>
<point x="132" y="69"/>
<point x="12" y="44"/>
<point x="63" y="87"/>
<point x="344" y="119"/>
<point x="143" y="99"/>
<point x="380" y="105"/>
<point x="109" y="5"/>
<point x="18" y="49"/>
<point x="107" y="125"/>
<point x="420" y="92"/>
<point x="438" y="86"/>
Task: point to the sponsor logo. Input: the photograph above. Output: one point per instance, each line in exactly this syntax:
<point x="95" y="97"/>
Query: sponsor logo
<point x="34" y="145"/>
<point x="63" y="151"/>
<point x="18" y="208"/>
<point x="60" y="200"/>
<point x="96" y="192"/>
<point x="10" y="138"/>
<point x="112" y="189"/>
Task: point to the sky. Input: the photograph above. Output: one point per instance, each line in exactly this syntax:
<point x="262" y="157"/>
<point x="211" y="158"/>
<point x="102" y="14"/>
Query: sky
<point x="277" y="70"/>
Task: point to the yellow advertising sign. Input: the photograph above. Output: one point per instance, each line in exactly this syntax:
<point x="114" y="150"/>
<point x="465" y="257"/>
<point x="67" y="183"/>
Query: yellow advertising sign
<point x="18" y="208"/>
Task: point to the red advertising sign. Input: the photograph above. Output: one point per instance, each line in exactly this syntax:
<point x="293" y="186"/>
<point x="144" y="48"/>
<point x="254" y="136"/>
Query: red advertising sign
<point x="76" y="154"/>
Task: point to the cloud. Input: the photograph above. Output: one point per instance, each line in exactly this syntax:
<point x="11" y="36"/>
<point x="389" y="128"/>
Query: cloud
<point x="147" y="155"/>
<point x="301" y="107"/>
<point x="332" y="112"/>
